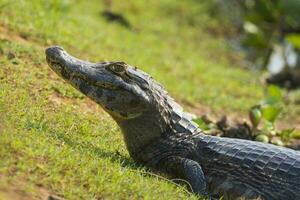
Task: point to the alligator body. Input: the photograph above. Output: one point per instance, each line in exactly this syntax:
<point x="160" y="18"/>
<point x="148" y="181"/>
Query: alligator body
<point x="160" y="135"/>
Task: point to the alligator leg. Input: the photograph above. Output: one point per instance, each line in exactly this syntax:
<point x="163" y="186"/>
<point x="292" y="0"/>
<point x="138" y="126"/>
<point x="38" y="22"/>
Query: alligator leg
<point x="188" y="170"/>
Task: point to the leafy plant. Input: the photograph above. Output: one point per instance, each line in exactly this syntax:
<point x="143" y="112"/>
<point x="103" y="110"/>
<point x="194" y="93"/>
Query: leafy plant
<point x="263" y="118"/>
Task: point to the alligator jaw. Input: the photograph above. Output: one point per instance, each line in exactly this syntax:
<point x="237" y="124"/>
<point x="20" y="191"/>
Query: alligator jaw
<point x="77" y="71"/>
<point x="66" y="65"/>
<point x="107" y="83"/>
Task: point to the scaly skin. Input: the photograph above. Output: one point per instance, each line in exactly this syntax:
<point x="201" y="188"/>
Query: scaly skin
<point x="160" y="135"/>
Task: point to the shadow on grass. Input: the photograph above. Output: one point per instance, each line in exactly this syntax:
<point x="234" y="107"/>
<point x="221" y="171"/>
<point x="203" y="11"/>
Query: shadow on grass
<point x="87" y="148"/>
<point x="41" y="125"/>
<point x="115" y="157"/>
<point x="120" y="159"/>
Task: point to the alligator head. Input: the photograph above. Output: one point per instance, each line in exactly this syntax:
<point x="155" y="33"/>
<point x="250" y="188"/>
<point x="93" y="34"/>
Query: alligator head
<point x="134" y="100"/>
<point x="117" y="87"/>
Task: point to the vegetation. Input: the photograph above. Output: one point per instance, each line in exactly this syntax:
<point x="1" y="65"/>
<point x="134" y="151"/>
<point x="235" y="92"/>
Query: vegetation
<point x="266" y="113"/>
<point x="262" y="126"/>
<point x="55" y="141"/>
<point x="265" y="26"/>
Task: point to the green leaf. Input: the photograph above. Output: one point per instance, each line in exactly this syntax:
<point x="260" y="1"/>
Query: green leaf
<point x="294" y="39"/>
<point x="295" y="134"/>
<point x="268" y="128"/>
<point x="286" y="134"/>
<point x="277" y="142"/>
<point x="255" y="116"/>
<point x="270" y="113"/>
<point x="201" y="123"/>
<point x="274" y="92"/>
<point x="262" y="138"/>
<point x="274" y="95"/>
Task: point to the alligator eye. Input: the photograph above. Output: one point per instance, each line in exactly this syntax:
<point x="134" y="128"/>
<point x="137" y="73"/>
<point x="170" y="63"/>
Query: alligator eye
<point x="118" y="68"/>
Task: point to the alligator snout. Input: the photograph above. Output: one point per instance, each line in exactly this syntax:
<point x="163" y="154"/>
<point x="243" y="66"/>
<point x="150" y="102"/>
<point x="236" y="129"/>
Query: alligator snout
<point x="54" y="54"/>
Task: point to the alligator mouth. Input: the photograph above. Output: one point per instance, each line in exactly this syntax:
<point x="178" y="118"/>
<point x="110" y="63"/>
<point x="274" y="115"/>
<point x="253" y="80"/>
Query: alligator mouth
<point x="49" y="61"/>
<point x="73" y="71"/>
<point x="70" y="76"/>
<point x="58" y="68"/>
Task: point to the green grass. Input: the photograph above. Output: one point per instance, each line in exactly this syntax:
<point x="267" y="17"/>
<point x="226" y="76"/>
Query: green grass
<point x="52" y="137"/>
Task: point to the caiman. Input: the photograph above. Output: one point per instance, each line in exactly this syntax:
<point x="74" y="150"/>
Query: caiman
<point x="160" y="135"/>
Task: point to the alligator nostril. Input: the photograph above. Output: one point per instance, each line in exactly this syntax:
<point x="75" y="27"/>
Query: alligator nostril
<point x="53" y="49"/>
<point x="54" y="52"/>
